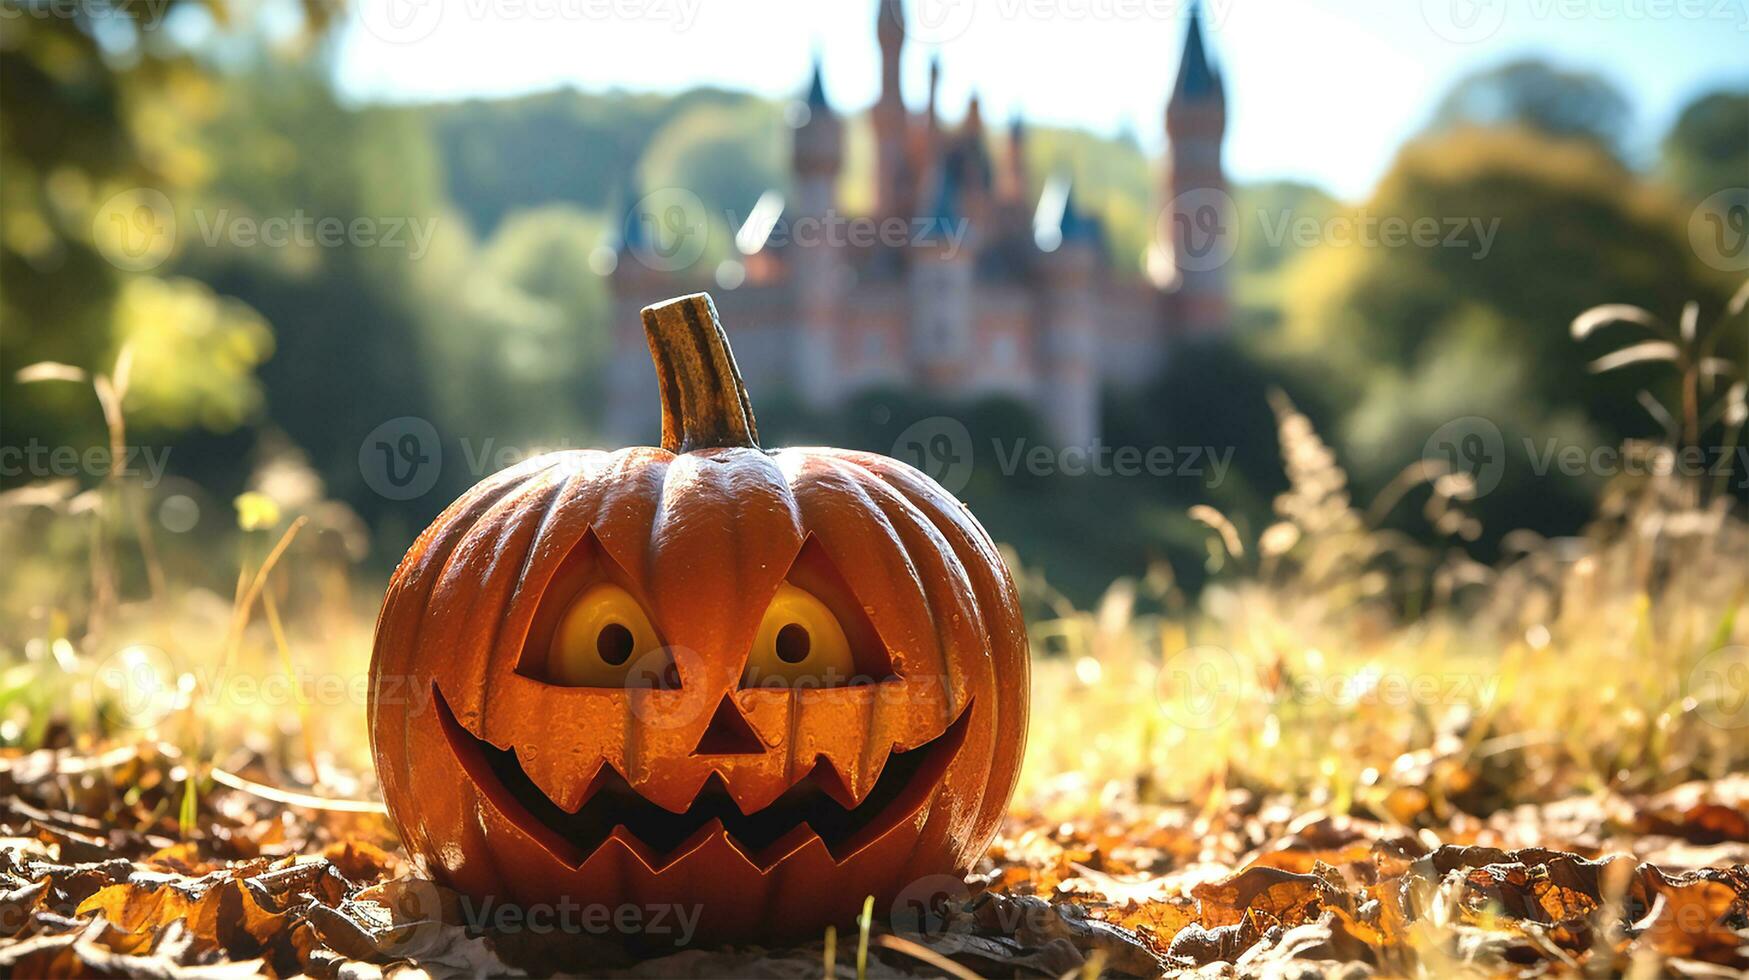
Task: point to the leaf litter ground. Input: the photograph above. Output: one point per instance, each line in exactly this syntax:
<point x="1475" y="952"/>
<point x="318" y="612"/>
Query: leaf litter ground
<point x="99" y="875"/>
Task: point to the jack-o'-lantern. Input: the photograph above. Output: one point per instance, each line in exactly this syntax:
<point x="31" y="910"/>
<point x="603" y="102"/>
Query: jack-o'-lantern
<point x="753" y="685"/>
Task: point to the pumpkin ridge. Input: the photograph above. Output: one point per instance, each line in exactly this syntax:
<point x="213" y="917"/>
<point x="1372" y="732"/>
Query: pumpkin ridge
<point x="968" y="538"/>
<point x="421" y="570"/>
<point x="500" y="526"/>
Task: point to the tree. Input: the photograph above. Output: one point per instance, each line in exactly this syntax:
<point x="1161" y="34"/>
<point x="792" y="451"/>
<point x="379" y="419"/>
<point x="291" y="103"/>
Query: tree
<point x="1707" y="149"/>
<point x="1531" y="231"/>
<point x="1541" y="97"/>
<point x="98" y="105"/>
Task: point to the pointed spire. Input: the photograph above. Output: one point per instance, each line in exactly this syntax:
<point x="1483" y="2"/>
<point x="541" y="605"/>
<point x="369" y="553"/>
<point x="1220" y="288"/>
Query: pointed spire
<point x="974" y="117"/>
<point x="634" y="236"/>
<point x="1196" y="78"/>
<point x="817" y="86"/>
<point x="934" y="87"/>
<point x="1077" y="226"/>
<point x="1014" y="173"/>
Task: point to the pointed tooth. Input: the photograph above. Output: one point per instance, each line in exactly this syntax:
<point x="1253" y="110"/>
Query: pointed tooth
<point x="826" y="776"/>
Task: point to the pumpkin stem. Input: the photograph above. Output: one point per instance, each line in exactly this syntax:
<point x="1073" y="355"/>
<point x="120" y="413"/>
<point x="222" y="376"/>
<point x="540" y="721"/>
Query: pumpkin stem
<point x="704" y="401"/>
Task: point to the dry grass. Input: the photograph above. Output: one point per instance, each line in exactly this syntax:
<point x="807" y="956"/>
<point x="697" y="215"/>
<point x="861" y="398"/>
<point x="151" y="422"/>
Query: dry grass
<point x="1333" y="664"/>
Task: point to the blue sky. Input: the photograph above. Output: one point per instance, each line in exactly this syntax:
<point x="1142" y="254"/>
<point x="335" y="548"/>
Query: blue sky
<point x="1318" y="90"/>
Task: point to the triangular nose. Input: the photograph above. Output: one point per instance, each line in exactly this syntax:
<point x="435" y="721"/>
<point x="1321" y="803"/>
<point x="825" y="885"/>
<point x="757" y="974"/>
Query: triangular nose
<point x="729" y="733"/>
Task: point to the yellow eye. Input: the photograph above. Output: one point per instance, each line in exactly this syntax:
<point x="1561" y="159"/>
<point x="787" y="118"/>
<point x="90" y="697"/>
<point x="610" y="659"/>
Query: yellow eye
<point x="600" y="639"/>
<point x="799" y="644"/>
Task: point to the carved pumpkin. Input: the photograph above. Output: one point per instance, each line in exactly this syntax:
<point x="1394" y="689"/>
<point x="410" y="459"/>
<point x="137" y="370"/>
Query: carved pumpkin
<point x="755" y="684"/>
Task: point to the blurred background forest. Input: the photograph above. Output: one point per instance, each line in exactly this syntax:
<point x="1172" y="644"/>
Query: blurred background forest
<point x="264" y="369"/>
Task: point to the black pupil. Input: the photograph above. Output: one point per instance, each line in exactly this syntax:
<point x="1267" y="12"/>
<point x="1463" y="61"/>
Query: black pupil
<point x="614" y="643"/>
<point x="792" y="644"/>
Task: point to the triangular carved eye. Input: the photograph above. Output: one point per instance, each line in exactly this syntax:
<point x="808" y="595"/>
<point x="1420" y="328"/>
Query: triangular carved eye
<point x="814" y="632"/>
<point x="591" y="630"/>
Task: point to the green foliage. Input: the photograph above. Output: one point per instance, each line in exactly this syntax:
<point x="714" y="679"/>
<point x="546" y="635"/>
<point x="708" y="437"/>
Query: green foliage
<point x="563" y="146"/>
<point x="1276" y="220"/>
<point x="1707" y="150"/>
<point x="78" y="125"/>
<point x="1536" y="95"/>
<point x="194" y="355"/>
<point x="726" y="154"/>
<point x="1418" y="336"/>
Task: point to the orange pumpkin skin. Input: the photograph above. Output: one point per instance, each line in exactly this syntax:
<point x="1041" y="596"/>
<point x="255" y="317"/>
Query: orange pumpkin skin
<point x="702" y="537"/>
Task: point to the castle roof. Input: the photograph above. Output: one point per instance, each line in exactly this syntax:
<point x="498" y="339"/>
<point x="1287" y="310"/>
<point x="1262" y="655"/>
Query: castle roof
<point x="1077" y="226"/>
<point x="817" y="89"/>
<point x="1196" y="77"/>
<point x="633" y="234"/>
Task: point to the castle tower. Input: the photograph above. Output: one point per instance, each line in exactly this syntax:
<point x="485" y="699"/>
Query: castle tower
<point x="1014" y="176"/>
<point x="1068" y="397"/>
<point x="892" y="142"/>
<point x="1199" y="224"/>
<point x="976" y="178"/>
<point x="819" y="272"/>
<point x="818" y="151"/>
<point x="941" y="287"/>
<point x="635" y="284"/>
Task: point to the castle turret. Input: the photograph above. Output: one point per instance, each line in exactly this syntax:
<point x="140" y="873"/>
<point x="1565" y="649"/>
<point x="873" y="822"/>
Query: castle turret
<point x="635" y="282"/>
<point x="941" y="289"/>
<point x="818" y="266"/>
<point x="1198" y="224"/>
<point x="1014" y="177"/>
<point x="1069" y="375"/>
<point x="818" y="152"/>
<point x="892" y="142"/>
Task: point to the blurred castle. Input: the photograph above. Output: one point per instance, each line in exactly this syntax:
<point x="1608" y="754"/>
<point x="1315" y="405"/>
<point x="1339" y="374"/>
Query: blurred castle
<point x="985" y="291"/>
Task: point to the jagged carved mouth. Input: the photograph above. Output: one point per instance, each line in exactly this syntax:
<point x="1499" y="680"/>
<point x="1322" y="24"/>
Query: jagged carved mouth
<point x="810" y="808"/>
